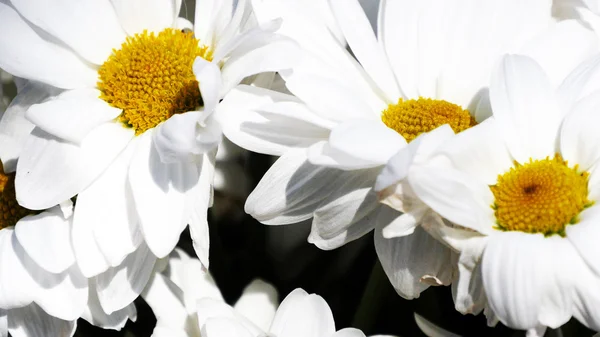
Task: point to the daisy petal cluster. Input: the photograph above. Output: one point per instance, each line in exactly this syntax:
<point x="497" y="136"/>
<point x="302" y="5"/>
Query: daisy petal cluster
<point x="461" y="136"/>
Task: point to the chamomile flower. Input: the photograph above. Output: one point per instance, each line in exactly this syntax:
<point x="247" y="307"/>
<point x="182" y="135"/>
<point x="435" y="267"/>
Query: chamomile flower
<point x="131" y="131"/>
<point x="427" y="65"/>
<point x="520" y="193"/>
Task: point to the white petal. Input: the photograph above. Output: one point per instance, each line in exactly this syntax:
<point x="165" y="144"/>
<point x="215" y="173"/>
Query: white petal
<point x="14" y="128"/>
<point x="61" y="295"/>
<point x="182" y="138"/>
<point x="541" y="297"/>
<point x="582" y="81"/>
<point x="224" y="327"/>
<point x="91" y="28"/>
<point x="290" y="191"/>
<point x="467" y="290"/>
<point x="366" y="140"/>
<point x="347" y="213"/>
<point x="301" y="315"/>
<point x="274" y="53"/>
<point x="106" y="207"/>
<point x="209" y="309"/>
<point x="161" y="331"/>
<point x="211" y="18"/>
<point x="414" y="262"/>
<point x="455" y="196"/>
<point x="208" y="75"/>
<point x="17" y="285"/>
<point x="21" y="55"/>
<point x="32" y="321"/>
<point x="196" y="283"/>
<point x="362" y="41"/>
<point x="50" y="171"/>
<point x="582" y="234"/>
<point x="561" y="48"/>
<point x="258" y="303"/>
<point x="579" y="140"/>
<point x="159" y="192"/>
<point x="398" y="165"/>
<point x="270" y="122"/>
<point x="335" y="100"/>
<point x="46" y="238"/>
<point x="398" y="32"/>
<point x="119" y="286"/>
<point x="136" y="16"/>
<point x="480" y="151"/>
<point x="166" y="301"/>
<point x="525" y="105"/>
<point x="201" y="201"/>
<point x="90" y="258"/>
<point x="97" y="317"/>
<point x="73" y="114"/>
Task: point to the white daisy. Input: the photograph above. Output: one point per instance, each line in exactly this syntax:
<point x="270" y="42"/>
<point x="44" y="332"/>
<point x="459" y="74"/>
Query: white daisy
<point x="522" y="188"/>
<point x="173" y="292"/>
<point x="428" y="65"/>
<point x="132" y="134"/>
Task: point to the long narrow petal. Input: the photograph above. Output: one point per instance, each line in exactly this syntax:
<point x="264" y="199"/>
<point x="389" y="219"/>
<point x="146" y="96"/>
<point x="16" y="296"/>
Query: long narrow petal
<point x="543" y="294"/>
<point x="414" y="262"/>
<point x="107" y="208"/>
<point x="362" y="41"/>
<point x="91" y="28"/>
<point x="32" y="321"/>
<point x="525" y="105"/>
<point x="14" y="127"/>
<point x="21" y="55"/>
<point x="46" y="238"/>
<point x="268" y="121"/>
<point x="159" y="192"/>
<point x="136" y="16"/>
<point x="119" y="286"/>
<point x="359" y="141"/>
<point x="201" y="200"/>
<point x="579" y="141"/>
<point x="96" y="316"/>
<point x="50" y="170"/>
<point x="72" y="114"/>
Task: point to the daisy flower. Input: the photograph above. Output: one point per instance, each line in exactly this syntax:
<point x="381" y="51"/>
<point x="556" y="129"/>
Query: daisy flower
<point x="173" y="293"/>
<point x="427" y="65"/>
<point x="520" y="192"/>
<point x="131" y="132"/>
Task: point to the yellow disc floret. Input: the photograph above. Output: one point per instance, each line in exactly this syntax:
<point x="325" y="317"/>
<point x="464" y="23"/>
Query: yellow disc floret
<point x="412" y="117"/>
<point x="10" y="211"/>
<point x="541" y="196"/>
<point x="151" y="78"/>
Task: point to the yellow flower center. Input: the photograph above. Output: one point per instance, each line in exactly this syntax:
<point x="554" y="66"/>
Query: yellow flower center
<point x="10" y="211"/>
<point x="412" y="117"/>
<point x="541" y="196"/>
<point x="151" y="78"/>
